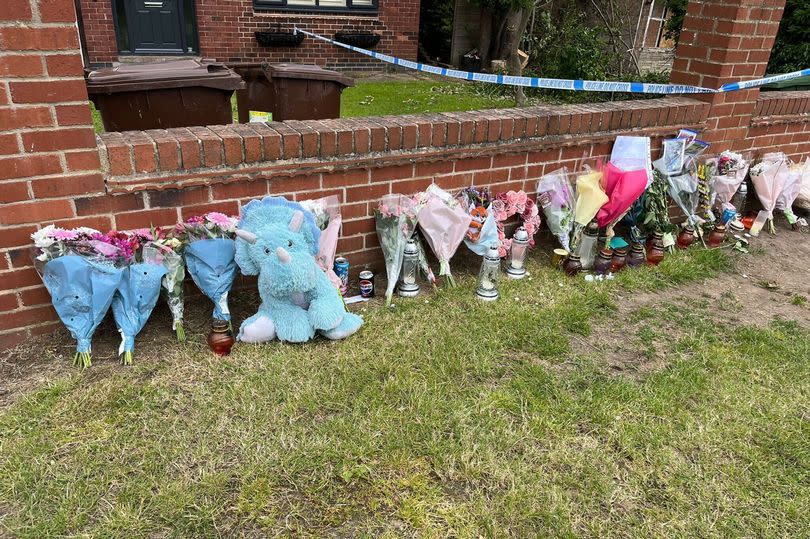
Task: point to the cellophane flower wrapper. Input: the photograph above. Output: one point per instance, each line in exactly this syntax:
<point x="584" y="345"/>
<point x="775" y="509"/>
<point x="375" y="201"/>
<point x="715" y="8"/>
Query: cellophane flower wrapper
<point x="785" y="200"/>
<point x="483" y="230"/>
<point x="803" y="199"/>
<point x="444" y="224"/>
<point x="707" y="193"/>
<point x="136" y="297"/>
<point x="590" y="197"/>
<point x="395" y="220"/>
<point x="81" y="292"/>
<point x="172" y="284"/>
<point x="729" y="170"/>
<point x="555" y="189"/>
<point x="683" y="189"/>
<point x="327" y="215"/>
<point x="211" y="264"/>
<point x="632" y="153"/>
<point x="622" y="187"/>
<point x="769" y="177"/>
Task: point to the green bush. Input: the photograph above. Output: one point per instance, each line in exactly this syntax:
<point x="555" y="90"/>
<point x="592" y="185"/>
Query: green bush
<point x="791" y="52"/>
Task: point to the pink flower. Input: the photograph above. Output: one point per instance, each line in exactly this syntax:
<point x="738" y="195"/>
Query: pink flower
<point x="143" y="233"/>
<point x="221" y="220"/>
<point x="385" y="211"/>
<point x="195" y="220"/>
<point x="60" y="234"/>
<point x="500" y="210"/>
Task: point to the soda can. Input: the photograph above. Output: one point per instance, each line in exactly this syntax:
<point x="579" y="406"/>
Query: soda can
<point x="367" y="284"/>
<point x="728" y="215"/>
<point x="342" y="271"/>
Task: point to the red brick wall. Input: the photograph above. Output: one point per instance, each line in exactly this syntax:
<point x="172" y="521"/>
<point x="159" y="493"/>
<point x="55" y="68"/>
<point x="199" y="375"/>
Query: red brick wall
<point x="725" y="41"/>
<point x="48" y="149"/>
<point x="226" y="30"/>
<point x="53" y="169"/>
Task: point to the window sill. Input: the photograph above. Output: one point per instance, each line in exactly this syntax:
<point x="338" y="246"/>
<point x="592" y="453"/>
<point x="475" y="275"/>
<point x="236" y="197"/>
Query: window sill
<point x="315" y="11"/>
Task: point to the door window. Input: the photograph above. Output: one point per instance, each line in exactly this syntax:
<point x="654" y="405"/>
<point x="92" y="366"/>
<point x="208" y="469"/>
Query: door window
<point x="155" y="27"/>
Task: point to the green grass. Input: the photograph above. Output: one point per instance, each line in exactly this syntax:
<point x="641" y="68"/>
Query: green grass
<point x="442" y="417"/>
<point x="368" y="98"/>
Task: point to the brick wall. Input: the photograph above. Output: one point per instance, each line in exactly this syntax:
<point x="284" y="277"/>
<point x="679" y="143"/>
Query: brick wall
<point x="226" y="28"/>
<point x="725" y="41"/>
<point x="53" y="168"/>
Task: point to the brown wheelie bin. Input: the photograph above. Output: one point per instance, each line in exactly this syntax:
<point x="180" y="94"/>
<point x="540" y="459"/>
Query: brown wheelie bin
<point x="290" y="91"/>
<point x="179" y="93"/>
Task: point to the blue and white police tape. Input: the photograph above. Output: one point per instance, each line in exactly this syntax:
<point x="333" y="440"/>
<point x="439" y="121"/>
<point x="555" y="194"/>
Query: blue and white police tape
<point x="561" y="84"/>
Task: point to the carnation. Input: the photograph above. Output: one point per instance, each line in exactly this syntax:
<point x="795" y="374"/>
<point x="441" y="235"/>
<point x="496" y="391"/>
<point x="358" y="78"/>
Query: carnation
<point x="43" y="237"/>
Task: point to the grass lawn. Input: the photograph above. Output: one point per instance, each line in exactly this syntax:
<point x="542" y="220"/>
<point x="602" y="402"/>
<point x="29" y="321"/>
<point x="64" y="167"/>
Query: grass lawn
<point x="377" y="98"/>
<point x="443" y="417"/>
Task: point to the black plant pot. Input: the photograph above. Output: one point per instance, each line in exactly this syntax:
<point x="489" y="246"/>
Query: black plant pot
<point x="365" y="40"/>
<point x="275" y="38"/>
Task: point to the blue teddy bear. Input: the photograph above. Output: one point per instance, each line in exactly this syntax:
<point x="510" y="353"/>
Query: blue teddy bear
<point x="278" y="240"/>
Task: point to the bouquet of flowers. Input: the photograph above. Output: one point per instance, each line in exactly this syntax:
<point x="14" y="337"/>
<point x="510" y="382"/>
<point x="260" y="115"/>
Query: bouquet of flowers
<point x="622" y="188"/>
<point x="80" y="281"/>
<point x="136" y="297"/>
<point x="326" y="211"/>
<point x="555" y="196"/>
<point x="729" y="171"/>
<point x="444" y="223"/>
<point x="656" y="208"/>
<point x="790" y="192"/>
<point x="517" y="203"/>
<point x="769" y="177"/>
<point x="803" y="199"/>
<point x="168" y="250"/>
<point x="396" y="222"/>
<point x="707" y="193"/>
<point x="209" y="256"/>
<point x="681" y="174"/>
<point x="590" y="197"/>
<point x="51" y="242"/>
<point x="483" y="230"/>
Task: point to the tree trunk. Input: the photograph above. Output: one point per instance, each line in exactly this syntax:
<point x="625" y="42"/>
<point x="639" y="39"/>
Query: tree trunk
<point x="515" y="25"/>
<point x="485" y="38"/>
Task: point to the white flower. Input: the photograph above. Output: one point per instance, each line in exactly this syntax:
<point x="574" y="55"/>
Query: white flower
<point x="86" y="230"/>
<point x="42" y="238"/>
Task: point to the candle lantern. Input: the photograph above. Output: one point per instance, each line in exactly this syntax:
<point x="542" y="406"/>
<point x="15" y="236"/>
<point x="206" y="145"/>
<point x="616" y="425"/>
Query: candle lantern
<point x="220" y="339"/>
<point x="408" y="287"/>
<point x="517" y="254"/>
<point x="487" y="288"/>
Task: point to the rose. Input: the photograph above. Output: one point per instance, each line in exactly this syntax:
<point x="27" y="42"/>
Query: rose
<point x="500" y="209"/>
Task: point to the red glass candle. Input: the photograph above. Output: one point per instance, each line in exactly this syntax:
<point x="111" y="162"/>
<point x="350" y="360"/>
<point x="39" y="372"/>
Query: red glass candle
<point x="220" y="339"/>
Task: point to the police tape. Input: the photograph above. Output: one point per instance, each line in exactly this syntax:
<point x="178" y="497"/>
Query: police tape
<point x="561" y="84"/>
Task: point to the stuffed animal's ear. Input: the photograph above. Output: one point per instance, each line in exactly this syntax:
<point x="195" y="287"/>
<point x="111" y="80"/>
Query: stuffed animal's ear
<point x="243" y="258"/>
<point x="296" y="221"/>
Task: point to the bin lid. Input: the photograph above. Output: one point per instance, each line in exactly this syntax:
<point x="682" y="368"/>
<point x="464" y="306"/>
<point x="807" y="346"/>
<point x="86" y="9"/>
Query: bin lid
<point x="161" y="75"/>
<point x="305" y="71"/>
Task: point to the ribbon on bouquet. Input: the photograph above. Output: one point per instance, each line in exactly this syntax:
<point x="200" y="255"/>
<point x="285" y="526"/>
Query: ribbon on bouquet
<point x="560" y="84"/>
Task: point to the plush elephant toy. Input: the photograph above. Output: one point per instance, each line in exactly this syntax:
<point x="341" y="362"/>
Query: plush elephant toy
<point x="278" y="240"/>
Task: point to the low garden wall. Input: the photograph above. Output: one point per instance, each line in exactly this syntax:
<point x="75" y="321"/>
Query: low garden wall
<point x="160" y="177"/>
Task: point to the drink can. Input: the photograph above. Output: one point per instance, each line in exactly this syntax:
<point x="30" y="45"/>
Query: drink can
<point x="728" y="215"/>
<point x="342" y="271"/>
<point x="367" y="284"/>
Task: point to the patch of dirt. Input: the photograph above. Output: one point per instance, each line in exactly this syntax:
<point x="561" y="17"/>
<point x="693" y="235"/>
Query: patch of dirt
<point x="771" y="282"/>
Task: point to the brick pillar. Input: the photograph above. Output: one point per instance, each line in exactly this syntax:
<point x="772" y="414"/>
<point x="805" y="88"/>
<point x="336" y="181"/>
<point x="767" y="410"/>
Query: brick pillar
<point x="48" y="152"/>
<point x="726" y="41"/>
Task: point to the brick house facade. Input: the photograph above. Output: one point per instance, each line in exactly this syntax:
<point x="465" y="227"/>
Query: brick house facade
<point x="224" y="30"/>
